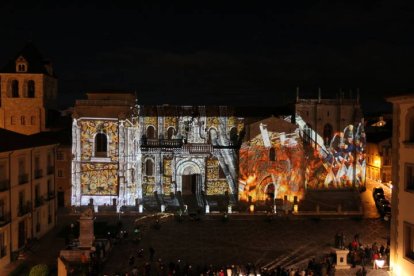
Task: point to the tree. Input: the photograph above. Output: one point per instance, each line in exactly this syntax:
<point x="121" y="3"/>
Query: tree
<point x="39" y="270"/>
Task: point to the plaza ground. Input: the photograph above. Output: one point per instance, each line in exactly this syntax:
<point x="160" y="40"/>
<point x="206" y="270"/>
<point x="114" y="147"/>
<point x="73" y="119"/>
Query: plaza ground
<point x="287" y="241"/>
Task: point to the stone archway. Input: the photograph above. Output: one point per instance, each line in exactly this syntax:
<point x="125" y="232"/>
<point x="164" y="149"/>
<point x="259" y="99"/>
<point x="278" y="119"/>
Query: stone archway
<point x="189" y="177"/>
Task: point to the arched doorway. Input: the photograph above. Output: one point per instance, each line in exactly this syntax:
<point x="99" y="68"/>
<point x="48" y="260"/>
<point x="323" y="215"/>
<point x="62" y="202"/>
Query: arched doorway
<point x="270" y="192"/>
<point x="189" y="181"/>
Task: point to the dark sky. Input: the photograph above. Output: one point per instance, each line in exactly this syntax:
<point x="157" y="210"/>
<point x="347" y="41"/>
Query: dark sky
<point x="218" y="53"/>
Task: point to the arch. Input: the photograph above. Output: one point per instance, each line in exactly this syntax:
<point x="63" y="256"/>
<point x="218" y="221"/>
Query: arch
<point x="101" y="145"/>
<point x="327" y="133"/>
<point x="233" y="135"/>
<point x="31" y="89"/>
<point x="189" y="167"/>
<point x="151" y="132"/>
<point x="272" y="154"/>
<point x="409" y="123"/>
<point x="149" y="167"/>
<point x="213" y="136"/>
<point x="170" y="132"/>
<point x="14" y="88"/>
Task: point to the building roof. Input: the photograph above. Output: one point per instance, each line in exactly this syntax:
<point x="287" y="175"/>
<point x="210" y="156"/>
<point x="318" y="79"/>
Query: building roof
<point x="11" y="140"/>
<point x="36" y="63"/>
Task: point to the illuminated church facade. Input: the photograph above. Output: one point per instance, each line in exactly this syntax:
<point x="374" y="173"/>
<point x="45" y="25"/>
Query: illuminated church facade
<point x="124" y="152"/>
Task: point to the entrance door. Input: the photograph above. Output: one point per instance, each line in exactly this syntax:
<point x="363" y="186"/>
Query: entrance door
<point x="22" y="234"/>
<point x="61" y="199"/>
<point x="189" y="183"/>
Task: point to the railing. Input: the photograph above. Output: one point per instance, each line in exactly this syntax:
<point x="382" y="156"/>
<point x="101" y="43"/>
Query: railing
<point x="39" y="201"/>
<point x="23" y="178"/>
<point x="51" y="195"/>
<point x="50" y="170"/>
<point x="198" y="148"/>
<point x="24" y="209"/>
<point x="231" y="145"/>
<point x="161" y="143"/>
<point x="5" y="218"/>
<point x="4" y="185"/>
<point x="38" y="173"/>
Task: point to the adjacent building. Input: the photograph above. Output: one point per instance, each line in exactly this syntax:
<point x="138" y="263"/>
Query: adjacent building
<point x="27" y="190"/>
<point x="402" y="221"/>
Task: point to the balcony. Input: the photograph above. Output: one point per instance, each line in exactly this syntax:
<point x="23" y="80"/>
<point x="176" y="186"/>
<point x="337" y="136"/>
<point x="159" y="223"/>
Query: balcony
<point x="23" y="178"/>
<point x="38" y="173"/>
<point x="51" y="195"/>
<point x="4" y="185"/>
<point x="5" y="218"/>
<point x="3" y="251"/>
<point x="24" y="209"/>
<point x="161" y="143"/>
<point x="50" y="170"/>
<point x="39" y="201"/>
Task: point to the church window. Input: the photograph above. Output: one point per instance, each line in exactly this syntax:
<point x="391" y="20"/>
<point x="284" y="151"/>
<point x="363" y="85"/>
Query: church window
<point x="149" y="167"/>
<point x="170" y="133"/>
<point x="150" y="132"/>
<point x="272" y="154"/>
<point x="100" y="145"/>
<point x="21" y="67"/>
<point x="22" y="120"/>
<point x="15" y="89"/>
<point x="30" y="89"/>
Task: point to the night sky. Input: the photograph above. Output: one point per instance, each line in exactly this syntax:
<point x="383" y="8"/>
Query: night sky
<point x="218" y="53"/>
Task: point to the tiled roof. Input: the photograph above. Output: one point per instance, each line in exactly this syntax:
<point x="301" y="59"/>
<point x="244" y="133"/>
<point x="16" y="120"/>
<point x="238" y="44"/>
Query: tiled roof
<point x="10" y="140"/>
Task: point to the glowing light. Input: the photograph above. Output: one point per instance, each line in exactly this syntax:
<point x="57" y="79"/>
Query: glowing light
<point x="295" y="208"/>
<point x="251" y="208"/>
<point x="377" y="162"/>
<point x="380" y="263"/>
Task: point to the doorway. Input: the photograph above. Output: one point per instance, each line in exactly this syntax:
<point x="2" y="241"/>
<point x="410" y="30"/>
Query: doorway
<point x="189" y="184"/>
<point x="61" y="199"/>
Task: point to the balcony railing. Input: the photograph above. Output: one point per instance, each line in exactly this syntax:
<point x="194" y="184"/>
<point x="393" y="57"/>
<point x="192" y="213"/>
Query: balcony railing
<point x="5" y="218"/>
<point x="39" y="201"/>
<point x="50" y="170"/>
<point x="38" y="173"/>
<point x="4" y="185"/>
<point x="161" y="143"/>
<point x="23" y="178"/>
<point x="51" y="195"/>
<point x="24" y="209"/>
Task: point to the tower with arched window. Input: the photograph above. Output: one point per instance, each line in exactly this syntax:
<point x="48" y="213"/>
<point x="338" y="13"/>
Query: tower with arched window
<point x="28" y="88"/>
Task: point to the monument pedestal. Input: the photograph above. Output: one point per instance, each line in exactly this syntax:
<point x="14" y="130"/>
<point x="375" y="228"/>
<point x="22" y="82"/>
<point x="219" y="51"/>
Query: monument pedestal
<point x="86" y="236"/>
<point x="341" y="259"/>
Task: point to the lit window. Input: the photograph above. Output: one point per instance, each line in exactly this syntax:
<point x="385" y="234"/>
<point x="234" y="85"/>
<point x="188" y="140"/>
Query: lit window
<point x="409" y="240"/>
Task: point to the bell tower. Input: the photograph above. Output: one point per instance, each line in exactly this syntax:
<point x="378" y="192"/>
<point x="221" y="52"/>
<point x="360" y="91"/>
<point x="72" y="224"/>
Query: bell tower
<point x="28" y="92"/>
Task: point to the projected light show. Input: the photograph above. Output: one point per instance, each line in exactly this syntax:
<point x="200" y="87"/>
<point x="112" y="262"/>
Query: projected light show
<point x="282" y="161"/>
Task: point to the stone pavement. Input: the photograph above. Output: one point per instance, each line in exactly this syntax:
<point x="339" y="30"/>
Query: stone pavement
<point x="289" y="242"/>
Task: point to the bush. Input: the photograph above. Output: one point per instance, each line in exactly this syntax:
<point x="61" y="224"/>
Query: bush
<point x="39" y="270"/>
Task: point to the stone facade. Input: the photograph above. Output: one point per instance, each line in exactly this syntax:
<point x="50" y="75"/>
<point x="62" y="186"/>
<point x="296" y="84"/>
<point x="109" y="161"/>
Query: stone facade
<point x="123" y="152"/>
